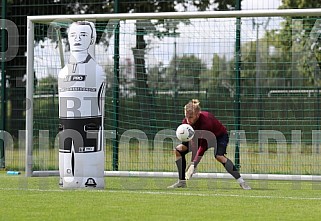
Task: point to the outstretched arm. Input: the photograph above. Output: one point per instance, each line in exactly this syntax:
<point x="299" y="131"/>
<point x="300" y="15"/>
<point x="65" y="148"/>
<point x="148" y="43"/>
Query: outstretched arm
<point x="199" y="154"/>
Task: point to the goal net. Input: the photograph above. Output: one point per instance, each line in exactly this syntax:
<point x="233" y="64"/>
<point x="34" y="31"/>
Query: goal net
<point x="258" y="72"/>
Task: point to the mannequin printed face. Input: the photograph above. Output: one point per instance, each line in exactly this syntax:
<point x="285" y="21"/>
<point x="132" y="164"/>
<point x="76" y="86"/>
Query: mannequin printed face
<point x="80" y="37"/>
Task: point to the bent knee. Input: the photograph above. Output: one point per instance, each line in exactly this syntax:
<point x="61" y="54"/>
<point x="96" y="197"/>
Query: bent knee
<point x="177" y="154"/>
<point x="180" y="150"/>
<point x="220" y="158"/>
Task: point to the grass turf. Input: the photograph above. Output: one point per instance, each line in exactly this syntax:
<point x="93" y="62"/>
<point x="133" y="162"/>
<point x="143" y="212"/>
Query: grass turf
<point x="125" y="198"/>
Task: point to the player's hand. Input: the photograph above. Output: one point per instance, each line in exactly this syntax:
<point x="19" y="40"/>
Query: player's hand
<point x="190" y="171"/>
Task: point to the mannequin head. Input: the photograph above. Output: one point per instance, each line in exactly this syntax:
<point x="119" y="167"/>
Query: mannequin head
<point x="81" y="36"/>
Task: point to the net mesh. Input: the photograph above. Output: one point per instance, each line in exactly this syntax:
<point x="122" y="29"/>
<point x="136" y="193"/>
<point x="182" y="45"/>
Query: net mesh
<point x="165" y="63"/>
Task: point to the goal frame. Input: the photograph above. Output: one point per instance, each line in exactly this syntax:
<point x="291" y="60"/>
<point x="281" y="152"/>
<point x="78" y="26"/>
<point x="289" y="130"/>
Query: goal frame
<point x="133" y="16"/>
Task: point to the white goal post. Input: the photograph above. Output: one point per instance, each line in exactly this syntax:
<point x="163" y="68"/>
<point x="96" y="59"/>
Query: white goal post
<point x="32" y="20"/>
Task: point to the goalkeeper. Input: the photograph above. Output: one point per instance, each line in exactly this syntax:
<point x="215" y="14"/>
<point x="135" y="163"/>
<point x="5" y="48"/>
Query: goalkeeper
<point x="203" y="121"/>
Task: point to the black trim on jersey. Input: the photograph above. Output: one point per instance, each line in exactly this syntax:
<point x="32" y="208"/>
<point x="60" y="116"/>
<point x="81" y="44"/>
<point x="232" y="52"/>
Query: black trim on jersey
<point x="73" y="162"/>
<point x="100" y="92"/>
<point x="74" y="64"/>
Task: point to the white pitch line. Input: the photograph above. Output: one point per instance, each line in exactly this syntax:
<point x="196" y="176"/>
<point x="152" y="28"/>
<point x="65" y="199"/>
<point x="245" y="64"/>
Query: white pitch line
<point x="216" y="194"/>
<point x="174" y="193"/>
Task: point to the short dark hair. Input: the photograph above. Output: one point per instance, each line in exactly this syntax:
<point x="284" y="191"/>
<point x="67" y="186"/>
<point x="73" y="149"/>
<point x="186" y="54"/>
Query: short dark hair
<point x="86" y="23"/>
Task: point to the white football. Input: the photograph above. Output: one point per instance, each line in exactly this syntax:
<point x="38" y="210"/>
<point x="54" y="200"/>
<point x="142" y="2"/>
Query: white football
<point x="185" y="132"/>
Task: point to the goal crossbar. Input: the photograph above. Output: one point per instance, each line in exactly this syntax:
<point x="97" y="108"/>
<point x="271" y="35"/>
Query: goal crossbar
<point x="182" y="15"/>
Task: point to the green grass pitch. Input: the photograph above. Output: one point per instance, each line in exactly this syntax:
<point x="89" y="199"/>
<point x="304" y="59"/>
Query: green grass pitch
<point x="132" y="198"/>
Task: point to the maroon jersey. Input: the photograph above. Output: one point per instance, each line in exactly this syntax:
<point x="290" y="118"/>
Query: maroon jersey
<point x="208" y="122"/>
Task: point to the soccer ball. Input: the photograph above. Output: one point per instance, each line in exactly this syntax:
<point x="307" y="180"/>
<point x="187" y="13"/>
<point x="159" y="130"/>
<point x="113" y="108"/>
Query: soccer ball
<point x="185" y="132"/>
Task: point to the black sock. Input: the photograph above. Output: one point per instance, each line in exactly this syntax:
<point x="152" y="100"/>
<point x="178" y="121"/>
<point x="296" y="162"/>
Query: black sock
<point x="229" y="166"/>
<point x="181" y="166"/>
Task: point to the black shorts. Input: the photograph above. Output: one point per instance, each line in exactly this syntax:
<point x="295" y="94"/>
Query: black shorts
<point x="222" y="142"/>
<point x="219" y="149"/>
